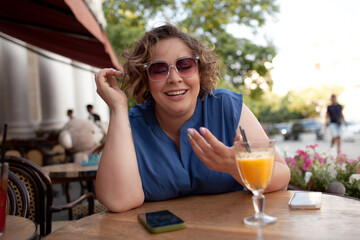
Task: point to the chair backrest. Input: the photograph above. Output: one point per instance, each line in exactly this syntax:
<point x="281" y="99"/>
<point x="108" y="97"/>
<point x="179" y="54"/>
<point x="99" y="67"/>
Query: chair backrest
<point x="39" y="188"/>
<point x="13" y="152"/>
<point x="58" y="155"/>
<point x="36" y="155"/>
<point x="19" y="200"/>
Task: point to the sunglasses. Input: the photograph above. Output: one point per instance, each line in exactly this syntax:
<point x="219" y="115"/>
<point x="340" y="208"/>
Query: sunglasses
<point x="159" y="71"/>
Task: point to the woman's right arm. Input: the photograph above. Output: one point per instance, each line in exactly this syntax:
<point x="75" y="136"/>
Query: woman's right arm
<point x="118" y="182"/>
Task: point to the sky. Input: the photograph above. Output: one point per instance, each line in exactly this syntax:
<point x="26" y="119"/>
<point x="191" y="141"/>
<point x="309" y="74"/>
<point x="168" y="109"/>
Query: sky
<point x="318" y="43"/>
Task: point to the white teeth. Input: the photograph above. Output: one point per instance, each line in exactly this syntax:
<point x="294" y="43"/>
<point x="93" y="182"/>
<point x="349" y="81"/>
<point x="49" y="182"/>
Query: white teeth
<point x="174" y="93"/>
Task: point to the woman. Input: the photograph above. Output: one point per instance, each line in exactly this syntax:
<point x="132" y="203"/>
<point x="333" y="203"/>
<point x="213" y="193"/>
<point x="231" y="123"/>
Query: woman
<point x="179" y="140"/>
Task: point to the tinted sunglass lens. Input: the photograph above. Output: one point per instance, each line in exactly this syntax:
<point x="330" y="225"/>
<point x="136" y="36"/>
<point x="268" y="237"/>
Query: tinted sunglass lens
<point x="158" y="71"/>
<point x="186" y="67"/>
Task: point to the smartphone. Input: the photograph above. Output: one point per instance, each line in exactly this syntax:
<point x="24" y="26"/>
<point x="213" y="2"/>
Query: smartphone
<point x="161" y="221"/>
<point x="305" y="200"/>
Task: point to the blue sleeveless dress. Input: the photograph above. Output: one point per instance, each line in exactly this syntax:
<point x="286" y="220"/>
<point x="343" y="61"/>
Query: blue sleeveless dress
<point x="167" y="174"/>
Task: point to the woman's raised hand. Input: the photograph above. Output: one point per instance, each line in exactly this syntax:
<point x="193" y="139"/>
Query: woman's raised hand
<point x="212" y="152"/>
<point x="108" y="88"/>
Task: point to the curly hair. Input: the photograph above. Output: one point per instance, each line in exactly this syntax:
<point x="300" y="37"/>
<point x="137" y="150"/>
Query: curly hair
<point x="136" y="79"/>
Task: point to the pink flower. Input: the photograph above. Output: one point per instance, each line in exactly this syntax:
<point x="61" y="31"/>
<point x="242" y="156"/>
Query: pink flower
<point x="342" y="158"/>
<point x="307" y="164"/>
<point x="319" y="158"/>
<point x="292" y="163"/>
<point x="342" y="155"/>
<point x="288" y="160"/>
<point x="301" y="153"/>
<point x="312" y="146"/>
<point x="351" y="161"/>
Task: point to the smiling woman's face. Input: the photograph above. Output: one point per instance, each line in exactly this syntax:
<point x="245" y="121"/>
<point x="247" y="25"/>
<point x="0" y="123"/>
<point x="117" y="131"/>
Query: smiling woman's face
<point x="176" y="96"/>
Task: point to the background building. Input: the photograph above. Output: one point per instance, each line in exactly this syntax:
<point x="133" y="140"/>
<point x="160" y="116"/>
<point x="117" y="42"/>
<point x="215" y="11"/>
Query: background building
<point x="37" y="87"/>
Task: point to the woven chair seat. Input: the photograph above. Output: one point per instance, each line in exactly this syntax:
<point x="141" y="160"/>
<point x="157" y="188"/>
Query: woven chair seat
<point x="82" y="209"/>
<point x="18" y="197"/>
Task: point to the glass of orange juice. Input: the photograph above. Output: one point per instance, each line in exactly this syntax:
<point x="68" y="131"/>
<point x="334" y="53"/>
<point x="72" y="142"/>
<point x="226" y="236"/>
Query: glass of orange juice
<point x="255" y="162"/>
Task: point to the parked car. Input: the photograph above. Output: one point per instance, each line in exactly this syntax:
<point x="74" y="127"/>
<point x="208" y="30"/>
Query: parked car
<point x="313" y="126"/>
<point x="293" y="128"/>
<point x="350" y="131"/>
<point x="284" y="129"/>
<point x="353" y="127"/>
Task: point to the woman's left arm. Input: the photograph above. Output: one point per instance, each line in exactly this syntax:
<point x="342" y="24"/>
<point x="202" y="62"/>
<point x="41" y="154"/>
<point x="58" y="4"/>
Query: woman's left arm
<point x="221" y="158"/>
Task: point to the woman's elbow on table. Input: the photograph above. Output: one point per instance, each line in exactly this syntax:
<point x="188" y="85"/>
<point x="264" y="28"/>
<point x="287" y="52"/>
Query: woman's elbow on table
<point x="122" y="204"/>
<point x="280" y="179"/>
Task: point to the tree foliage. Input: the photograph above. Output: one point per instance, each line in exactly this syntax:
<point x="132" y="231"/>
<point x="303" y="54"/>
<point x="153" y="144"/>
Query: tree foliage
<point x="208" y="19"/>
<point x="247" y="65"/>
<point x="296" y="104"/>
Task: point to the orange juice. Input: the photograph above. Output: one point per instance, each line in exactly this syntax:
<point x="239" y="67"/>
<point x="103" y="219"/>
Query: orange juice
<point x="256" y="173"/>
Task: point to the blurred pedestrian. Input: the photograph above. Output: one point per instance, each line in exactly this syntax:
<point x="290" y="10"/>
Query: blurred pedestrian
<point x="92" y="116"/>
<point x="69" y="113"/>
<point x="335" y="119"/>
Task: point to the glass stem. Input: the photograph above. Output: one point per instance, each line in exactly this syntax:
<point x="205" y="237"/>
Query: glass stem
<point x="259" y="203"/>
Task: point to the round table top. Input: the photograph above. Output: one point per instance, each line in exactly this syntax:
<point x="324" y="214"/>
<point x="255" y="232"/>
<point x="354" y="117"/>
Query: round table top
<point x="221" y="216"/>
<point x="19" y="228"/>
<point x="69" y="172"/>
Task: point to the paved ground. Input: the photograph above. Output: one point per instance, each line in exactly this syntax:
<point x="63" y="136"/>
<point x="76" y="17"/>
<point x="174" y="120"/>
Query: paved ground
<point x="59" y="199"/>
<point x="350" y="148"/>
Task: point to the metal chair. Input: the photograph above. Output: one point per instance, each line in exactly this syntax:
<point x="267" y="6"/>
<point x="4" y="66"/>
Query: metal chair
<point x="13" y="152"/>
<point x="40" y="191"/>
<point x="36" y="155"/>
<point x="82" y="209"/>
<point x="18" y="197"/>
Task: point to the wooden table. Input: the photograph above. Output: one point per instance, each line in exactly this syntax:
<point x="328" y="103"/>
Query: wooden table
<point x="70" y="172"/>
<point x="19" y="228"/>
<point x="221" y="217"/>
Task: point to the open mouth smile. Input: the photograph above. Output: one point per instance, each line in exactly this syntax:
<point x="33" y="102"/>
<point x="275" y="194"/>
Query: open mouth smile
<point x="176" y="93"/>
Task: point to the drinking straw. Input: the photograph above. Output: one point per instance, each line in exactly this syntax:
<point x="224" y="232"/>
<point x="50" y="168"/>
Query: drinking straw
<point x="242" y="131"/>
<point x="3" y="146"/>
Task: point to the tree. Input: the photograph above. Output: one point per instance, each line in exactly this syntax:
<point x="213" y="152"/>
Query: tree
<point x="246" y="62"/>
<point x="296" y="104"/>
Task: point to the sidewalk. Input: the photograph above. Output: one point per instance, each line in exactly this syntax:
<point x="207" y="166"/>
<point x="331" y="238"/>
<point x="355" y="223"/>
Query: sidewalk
<point x="351" y="149"/>
<point x="60" y="199"/>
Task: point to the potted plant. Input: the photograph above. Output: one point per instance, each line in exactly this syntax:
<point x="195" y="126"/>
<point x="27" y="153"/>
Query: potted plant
<point x="324" y="172"/>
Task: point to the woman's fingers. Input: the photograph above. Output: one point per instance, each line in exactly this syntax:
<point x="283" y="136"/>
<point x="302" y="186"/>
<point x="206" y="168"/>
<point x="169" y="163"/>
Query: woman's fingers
<point x="197" y="149"/>
<point x="206" y="141"/>
<point x="216" y="145"/>
<point x="106" y="77"/>
<point x="106" y="74"/>
<point x="238" y="138"/>
<point x="200" y="144"/>
<point x="210" y="150"/>
<point x="108" y="87"/>
<point x="114" y="83"/>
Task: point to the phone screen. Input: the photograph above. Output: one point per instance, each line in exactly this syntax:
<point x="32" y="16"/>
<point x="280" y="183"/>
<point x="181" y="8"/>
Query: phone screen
<point x="161" y="221"/>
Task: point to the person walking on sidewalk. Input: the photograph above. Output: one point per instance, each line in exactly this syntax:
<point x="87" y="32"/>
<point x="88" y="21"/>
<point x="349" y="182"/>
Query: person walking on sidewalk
<point x="334" y="119"/>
